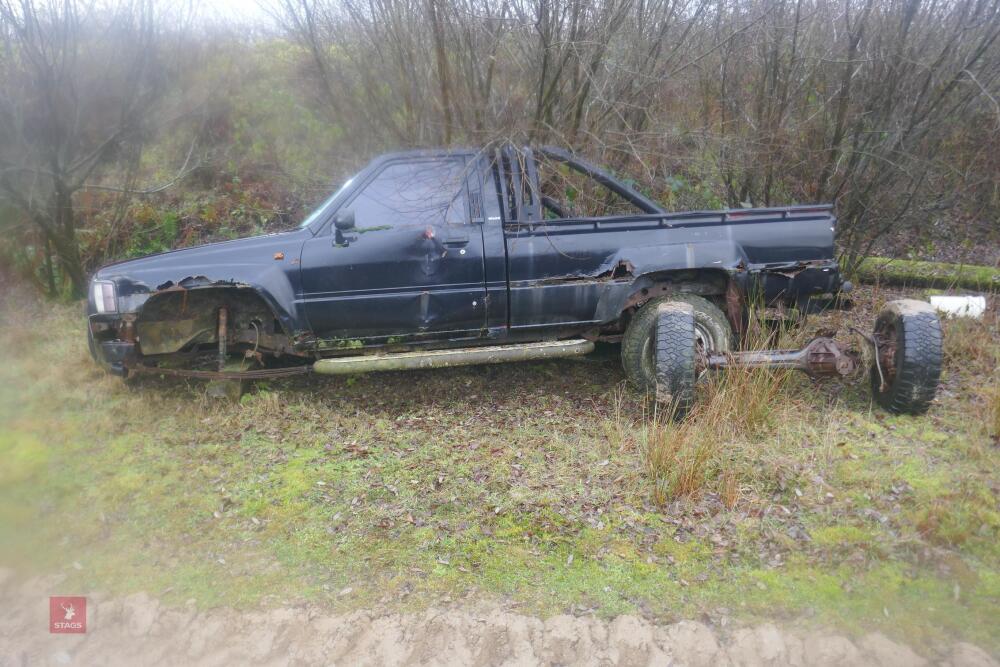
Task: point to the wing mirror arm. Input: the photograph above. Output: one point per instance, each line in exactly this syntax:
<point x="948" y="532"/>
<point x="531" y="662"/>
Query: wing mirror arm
<point x="342" y="222"/>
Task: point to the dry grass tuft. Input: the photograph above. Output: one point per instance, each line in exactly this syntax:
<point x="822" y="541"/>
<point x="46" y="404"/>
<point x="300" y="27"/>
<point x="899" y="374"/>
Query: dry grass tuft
<point x="678" y="458"/>
<point x="966" y="344"/>
<point x="715" y="449"/>
<point x="620" y="429"/>
<point x="741" y="403"/>
<point x="730" y="490"/>
<point x="994" y="406"/>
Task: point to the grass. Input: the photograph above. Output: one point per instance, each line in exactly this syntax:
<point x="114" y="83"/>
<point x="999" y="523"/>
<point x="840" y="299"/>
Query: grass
<point x="716" y="449"/>
<point x="549" y="486"/>
<point x="994" y="412"/>
<point x="917" y="273"/>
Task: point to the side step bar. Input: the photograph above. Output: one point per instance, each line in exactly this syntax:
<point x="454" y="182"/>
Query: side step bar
<point x="494" y="354"/>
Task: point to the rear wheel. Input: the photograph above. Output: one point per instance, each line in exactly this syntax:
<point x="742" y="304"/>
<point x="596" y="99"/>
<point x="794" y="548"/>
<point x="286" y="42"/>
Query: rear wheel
<point x="675" y="357"/>
<point x="711" y="330"/>
<point x="905" y="373"/>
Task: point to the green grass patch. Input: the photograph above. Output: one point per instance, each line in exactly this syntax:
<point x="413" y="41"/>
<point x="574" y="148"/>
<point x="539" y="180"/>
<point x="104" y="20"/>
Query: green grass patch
<point x="526" y="483"/>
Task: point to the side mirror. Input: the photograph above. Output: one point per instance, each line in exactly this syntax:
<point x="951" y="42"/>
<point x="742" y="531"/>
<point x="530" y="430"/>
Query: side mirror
<point x="344" y="220"/>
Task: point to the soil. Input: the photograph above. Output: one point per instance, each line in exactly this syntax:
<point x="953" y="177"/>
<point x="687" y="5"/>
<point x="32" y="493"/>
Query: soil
<point x="139" y="630"/>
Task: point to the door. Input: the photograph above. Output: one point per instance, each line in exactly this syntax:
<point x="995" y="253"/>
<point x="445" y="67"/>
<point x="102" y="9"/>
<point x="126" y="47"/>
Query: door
<point x="412" y="264"/>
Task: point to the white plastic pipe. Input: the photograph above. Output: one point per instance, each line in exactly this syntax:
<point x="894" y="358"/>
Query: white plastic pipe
<point x="960" y="306"/>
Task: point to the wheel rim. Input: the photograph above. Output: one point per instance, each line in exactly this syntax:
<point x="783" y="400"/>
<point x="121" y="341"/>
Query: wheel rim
<point x="704" y="342"/>
<point x="888" y="346"/>
<point x="703" y="339"/>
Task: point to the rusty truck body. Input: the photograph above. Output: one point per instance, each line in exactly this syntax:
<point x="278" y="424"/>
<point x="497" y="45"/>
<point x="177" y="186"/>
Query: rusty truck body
<point x="438" y="257"/>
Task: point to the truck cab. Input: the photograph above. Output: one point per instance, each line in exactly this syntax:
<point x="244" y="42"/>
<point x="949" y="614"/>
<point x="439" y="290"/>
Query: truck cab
<point x="508" y="243"/>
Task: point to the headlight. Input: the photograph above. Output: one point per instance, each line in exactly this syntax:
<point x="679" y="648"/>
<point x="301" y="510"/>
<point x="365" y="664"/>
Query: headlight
<point x="104" y="297"/>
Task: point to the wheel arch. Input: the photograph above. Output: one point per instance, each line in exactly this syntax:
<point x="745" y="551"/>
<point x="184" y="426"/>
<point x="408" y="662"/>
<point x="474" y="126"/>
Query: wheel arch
<point x="618" y="305"/>
<point x="177" y="317"/>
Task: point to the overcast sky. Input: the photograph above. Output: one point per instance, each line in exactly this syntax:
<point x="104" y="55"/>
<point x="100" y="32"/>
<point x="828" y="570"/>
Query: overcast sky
<point x="239" y="10"/>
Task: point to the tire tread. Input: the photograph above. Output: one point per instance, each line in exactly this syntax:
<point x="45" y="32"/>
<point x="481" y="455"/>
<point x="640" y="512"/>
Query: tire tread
<point x="675" y="357"/>
<point x="643" y="325"/>
<point x="919" y="361"/>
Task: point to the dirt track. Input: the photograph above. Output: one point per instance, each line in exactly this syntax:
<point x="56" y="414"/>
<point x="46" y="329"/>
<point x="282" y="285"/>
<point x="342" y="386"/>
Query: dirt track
<point x="137" y="630"/>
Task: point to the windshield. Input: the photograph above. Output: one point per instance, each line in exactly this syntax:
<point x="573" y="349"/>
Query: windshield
<point x="311" y="218"/>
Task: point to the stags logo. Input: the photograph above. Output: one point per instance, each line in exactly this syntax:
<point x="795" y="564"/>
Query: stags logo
<point x="67" y="614"/>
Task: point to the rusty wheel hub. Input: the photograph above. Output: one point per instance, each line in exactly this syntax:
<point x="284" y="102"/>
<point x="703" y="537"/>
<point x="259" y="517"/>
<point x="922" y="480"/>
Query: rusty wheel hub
<point x="886" y="341"/>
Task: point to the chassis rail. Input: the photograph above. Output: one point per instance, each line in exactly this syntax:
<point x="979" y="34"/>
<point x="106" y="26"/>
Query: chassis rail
<point x="257" y="374"/>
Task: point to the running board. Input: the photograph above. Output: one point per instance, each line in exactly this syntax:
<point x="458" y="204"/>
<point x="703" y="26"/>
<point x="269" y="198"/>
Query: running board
<point x="493" y="354"/>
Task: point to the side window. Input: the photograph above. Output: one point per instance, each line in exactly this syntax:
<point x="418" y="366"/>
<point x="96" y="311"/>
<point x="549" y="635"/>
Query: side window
<point x="426" y="192"/>
<point x="567" y="193"/>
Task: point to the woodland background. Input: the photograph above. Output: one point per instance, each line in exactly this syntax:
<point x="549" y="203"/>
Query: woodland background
<point x="133" y="126"/>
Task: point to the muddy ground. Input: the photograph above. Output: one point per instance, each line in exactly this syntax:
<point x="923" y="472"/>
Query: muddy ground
<point x="138" y="630"/>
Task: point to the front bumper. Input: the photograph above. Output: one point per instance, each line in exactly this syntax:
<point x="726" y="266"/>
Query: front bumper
<point x="114" y="356"/>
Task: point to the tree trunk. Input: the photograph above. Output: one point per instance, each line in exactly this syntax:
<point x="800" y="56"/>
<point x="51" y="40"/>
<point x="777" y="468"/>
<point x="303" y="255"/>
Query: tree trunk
<point x="441" y="60"/>
<point x="64" y="239"/>
<point x="50" y="275"/>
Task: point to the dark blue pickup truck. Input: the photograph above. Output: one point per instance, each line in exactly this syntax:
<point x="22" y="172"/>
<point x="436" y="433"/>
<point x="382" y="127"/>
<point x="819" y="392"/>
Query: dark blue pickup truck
<point x="444" y="257"/>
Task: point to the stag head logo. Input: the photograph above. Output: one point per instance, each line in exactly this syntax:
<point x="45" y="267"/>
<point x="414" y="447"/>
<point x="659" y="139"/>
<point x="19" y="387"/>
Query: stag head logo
<point x="67" y="614"/>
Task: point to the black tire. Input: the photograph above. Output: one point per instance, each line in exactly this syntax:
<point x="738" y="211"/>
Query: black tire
<point x="906" y="377"/>
<point x="712" y="330"/>
<point x="675" y="357"/>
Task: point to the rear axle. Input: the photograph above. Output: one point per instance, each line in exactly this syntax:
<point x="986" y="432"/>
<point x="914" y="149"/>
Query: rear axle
<point x="820" y="357"/>
<point x="905" y="363"/>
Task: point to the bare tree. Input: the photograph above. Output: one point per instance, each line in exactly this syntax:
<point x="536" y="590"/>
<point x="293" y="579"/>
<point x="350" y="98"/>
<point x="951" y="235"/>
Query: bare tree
<point x="850" y="102"/>
<point x="79" y="80"/>
<point x="763" y="102"/>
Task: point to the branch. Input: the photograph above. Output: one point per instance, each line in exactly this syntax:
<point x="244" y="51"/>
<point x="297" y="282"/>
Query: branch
<point x="182" y="172"/>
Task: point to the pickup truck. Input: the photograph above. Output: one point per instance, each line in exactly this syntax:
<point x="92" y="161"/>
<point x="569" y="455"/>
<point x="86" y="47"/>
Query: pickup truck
<point x="443" y="257"/>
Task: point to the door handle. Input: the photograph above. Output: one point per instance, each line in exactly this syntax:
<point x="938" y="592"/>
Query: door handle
<point x="456" y="241"/>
